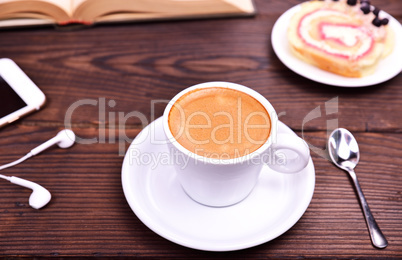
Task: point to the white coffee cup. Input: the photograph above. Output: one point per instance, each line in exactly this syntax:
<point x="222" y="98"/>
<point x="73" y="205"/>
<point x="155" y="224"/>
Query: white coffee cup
<point x="224" y="182"/>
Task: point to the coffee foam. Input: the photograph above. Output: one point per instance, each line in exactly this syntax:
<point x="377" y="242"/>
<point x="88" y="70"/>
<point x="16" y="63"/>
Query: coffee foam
<point x="219" y="122"/>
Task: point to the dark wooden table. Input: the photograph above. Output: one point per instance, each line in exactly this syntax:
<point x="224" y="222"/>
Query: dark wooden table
<point x="133" y="64"/>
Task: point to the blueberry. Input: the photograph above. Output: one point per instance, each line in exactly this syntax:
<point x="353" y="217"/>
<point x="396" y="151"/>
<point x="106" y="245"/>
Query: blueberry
<point x="376" y="11"/>
<point x="384" y="21"/>
<point x="377" y="22"/>
<point x="352" y="2"/>
<point x="365" y="8"/>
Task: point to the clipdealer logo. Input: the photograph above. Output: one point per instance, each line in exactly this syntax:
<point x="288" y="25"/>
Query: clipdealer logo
<point x="112" y="126"/>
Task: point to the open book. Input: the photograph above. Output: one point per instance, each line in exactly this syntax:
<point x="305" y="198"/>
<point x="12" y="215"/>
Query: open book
<point x="62" y="12"/>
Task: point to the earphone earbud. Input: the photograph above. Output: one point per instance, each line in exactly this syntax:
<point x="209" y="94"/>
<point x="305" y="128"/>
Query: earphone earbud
<point x="40" y="196"/>
<point x="64" y="139"/>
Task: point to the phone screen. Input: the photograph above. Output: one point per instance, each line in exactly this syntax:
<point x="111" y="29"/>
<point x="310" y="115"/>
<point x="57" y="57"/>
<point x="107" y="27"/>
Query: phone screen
<point x="9" y="100"/>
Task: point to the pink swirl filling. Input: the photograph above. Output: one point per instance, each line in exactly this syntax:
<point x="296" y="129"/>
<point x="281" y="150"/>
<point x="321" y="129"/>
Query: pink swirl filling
<point x="357" y="41"/>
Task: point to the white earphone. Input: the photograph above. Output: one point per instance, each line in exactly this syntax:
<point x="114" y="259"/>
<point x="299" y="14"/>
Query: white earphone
<point x="40" y="196"/>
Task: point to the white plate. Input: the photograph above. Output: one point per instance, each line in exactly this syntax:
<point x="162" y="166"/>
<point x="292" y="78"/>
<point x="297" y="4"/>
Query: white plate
<point x="154" y="194"/>
<point x="387" y="68"/>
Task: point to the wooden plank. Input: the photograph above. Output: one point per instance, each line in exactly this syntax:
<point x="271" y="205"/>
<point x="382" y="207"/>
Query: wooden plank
<point x="89" y="215"/>
<point x="135" y="64"/>
<point x="132" y="65"/>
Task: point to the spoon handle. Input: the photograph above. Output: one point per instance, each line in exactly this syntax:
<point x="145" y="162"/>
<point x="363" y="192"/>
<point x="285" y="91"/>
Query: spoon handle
<point x="377" y="238"/>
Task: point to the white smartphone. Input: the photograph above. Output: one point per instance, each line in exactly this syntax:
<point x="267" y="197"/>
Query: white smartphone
<point x="19" y="96"/>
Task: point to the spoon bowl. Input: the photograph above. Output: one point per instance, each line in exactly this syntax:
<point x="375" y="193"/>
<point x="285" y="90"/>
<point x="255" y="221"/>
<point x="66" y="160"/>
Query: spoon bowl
<point x="344" y="153"/>
<point x="343" y="149"/>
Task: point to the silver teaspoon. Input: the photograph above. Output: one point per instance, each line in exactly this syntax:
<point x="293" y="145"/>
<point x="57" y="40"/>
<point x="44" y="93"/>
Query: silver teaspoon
<point x="344" y="153"/>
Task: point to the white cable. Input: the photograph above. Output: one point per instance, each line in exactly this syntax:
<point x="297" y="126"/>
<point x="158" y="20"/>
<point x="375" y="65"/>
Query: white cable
<point x="39" y="196"/>
<point x="8" y="165"/>
<point x="5" y="177"/>
<point x="5" y="166"/>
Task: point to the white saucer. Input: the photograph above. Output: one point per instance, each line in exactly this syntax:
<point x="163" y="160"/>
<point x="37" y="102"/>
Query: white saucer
<point x="154" y="194"/>
<point x="387" y="68"/>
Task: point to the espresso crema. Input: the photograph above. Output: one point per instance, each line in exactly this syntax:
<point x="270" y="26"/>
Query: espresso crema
<point x="219" y="122"/>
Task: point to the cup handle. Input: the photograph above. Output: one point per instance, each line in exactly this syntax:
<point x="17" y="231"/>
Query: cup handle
<point x="289" y="165"/>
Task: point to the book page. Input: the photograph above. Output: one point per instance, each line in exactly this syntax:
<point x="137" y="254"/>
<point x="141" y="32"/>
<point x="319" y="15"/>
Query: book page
<point x="93" y="10"/>
<point x="246" y="6"/>
<point x="63" y="4"/>
<point x="76" y="3"/>
<point x="57" y="10"/>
